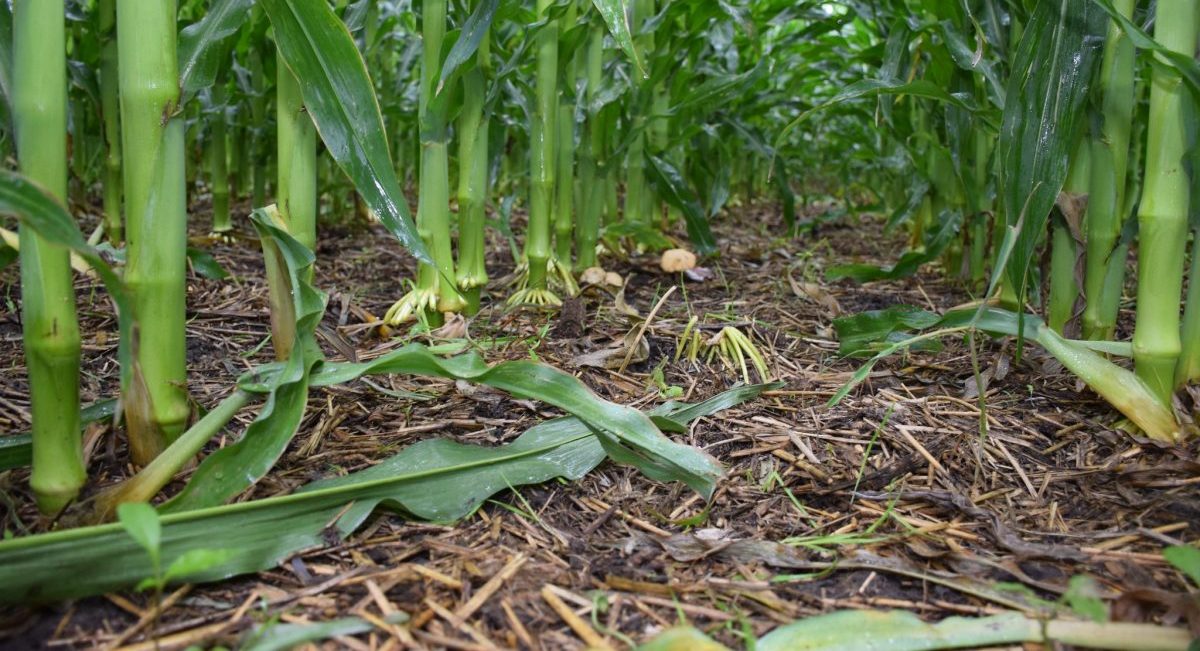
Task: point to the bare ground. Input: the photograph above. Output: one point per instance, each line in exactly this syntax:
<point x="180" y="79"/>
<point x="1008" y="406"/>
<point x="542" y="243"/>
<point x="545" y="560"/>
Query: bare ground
<point x="897" y="484"/>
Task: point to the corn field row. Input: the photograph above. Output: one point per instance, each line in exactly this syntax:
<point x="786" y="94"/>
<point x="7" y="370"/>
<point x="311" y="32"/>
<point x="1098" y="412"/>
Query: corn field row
<point x="1041" y="155"/>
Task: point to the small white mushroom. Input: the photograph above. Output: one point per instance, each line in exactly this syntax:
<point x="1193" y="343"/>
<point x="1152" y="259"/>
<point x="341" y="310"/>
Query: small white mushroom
<point x="677" y="260"/>
<point x="592" y="276"/>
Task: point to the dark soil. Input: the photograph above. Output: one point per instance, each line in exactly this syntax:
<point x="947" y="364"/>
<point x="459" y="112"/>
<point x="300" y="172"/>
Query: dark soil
<point x="942" y="514"/>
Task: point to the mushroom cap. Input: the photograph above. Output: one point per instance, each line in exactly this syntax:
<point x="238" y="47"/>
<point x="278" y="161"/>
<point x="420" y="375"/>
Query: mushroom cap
<point x="614" y="279"/>
<point x="677" y="260"/>
<point x="592" y="276"/>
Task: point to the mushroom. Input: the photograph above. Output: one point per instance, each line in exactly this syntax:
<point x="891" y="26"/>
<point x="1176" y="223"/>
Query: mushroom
<point x="592" y="276"/>
<point x="677" y="260"/>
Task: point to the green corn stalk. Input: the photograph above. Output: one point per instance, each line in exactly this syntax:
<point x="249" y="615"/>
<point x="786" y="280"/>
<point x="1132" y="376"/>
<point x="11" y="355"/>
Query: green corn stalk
<point x="1064" y="289"/>
<point x="433" y="202"/>
<point x="296" y="200"/>
<point x="1104" y="275"/>
<point x="564" y="210"/>
<point x="1189" y="357"/>
<point x="982" y="145"/>
<point x="660" y="126"/>
<point x="1163" y="212"/>
<point x="1188" y="369"/>
<point x="637" y="188"/>
<point x="542" y="161"/>
<point x="238" y="163"/>
<point x="258" y="117"/>
<point x="50" y="329"/>
<point x="436" y="292"/>
<point x="110" y="103"/>
<point x="296" y="196"/>
<point x="608" y="166"/>
<point x="473" y="182"/>
<point x="218" y="167"/>
<point x="156" y="405"/>
<point x="591" y="179"/>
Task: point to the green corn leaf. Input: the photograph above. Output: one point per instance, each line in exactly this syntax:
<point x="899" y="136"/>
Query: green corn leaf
<point x="259" y="534"/>
<point x="877" y="87"/>
<point x="676" y="191"/>
<point x="6" y="53"/>
<point x="340" y="98"/>
<point x="1187" y="67"/>
<point x="1083" y="596"/>
<point x="904" y="631"/>
<point x="233" y="468"/>
<point x="1042" y="119"/>
<point x="1185" y="559"/>
<point x="282" y="637"/>
<point x="628" y="436"/>
<point x="1119" y="386"/>
<point x="917" y="192"/>
<point x="16" y="451"/>
<point x="719" y="90"/>
<point x="971" y="60"/>
<point x="473" y="31"/>
<point x="616" y="16"/>
<point x="682" y="638"/>
<point x="204" y="45"/>
<point x="908" y="264"/>
<point x="42" y="212"/>
<point x="898" y="631"/>
<point x="194" y="562"/>
<point x="858" y="331"/>
<point x="205" y="265"/>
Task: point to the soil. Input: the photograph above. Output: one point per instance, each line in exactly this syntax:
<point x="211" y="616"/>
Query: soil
<point x="921" y="509"/>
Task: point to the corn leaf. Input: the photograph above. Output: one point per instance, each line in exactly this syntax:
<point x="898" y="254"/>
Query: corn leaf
<point x="233" y="468"/>
<point x="898" y="631"/>
<point x="971" y="60"/>
<point x="918" y="189"/>
<point x="616" y="16"/>
<point x="718" y="90"/>
<point x="42" y="212"/>
<point x="909" y="263"/>
<point x="627" y="435"/>
<point x="339" y="96"/>
<point x="203" y="45"/>
<point x="1187" y="67"/>
<point x="6" y="54"/>
<point x="676" y="191"/>
<point x="281" y="637"/>
<point x="473" y="31"/>
<point x="682" y="638"/>
<point x="883" y="87"/>
<point x="903" y="631"/>
<point x="440" y="479"/>
<point x="1042" y="119"/>
<point x="857" y="332"/>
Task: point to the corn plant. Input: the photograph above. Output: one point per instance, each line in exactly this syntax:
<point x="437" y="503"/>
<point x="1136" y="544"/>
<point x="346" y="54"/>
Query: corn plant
<point x="1066" y="174"/>
<point x="218" y="68"/>
<point x="51" y="331"/>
